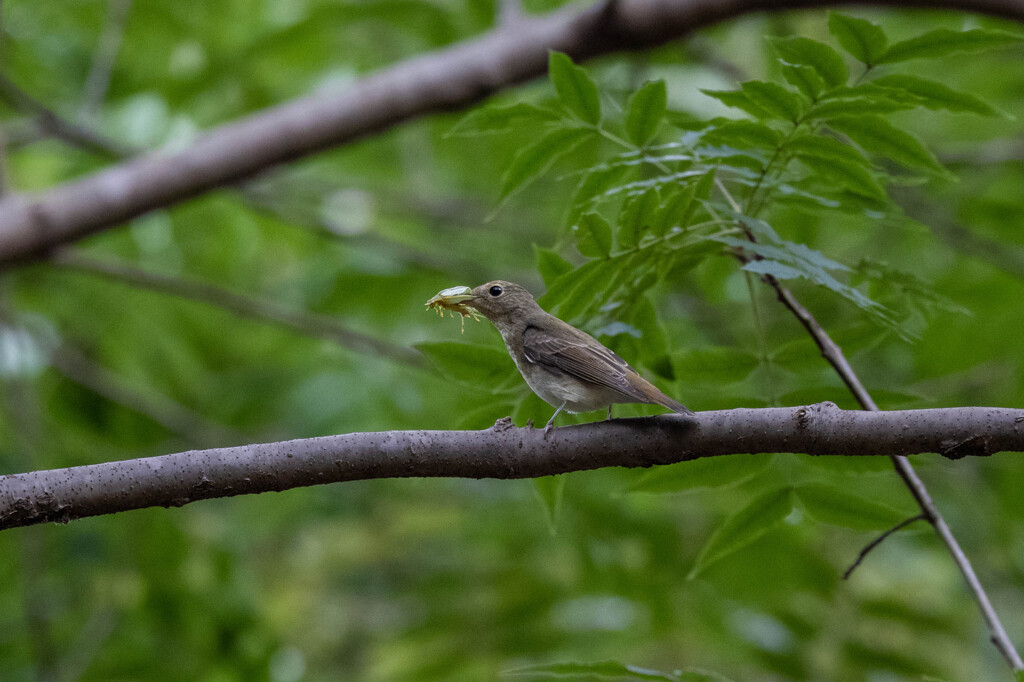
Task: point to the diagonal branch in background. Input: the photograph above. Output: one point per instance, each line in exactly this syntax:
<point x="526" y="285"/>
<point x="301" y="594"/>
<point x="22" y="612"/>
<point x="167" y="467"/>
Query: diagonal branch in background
<point x="938" y="218"/>
<point x="447" y="79"/>
<point x="503" y="451"/>
<point x="53" y="123"/>
<point x="833" y="354"/>
<point x="262" y="195"/>
<point x="173" y="416"/>
<point x="98" y="81"/>
<point x="319" y="326"/>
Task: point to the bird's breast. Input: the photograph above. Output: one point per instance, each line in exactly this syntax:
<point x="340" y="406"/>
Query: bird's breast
<point x="556" y="387"/>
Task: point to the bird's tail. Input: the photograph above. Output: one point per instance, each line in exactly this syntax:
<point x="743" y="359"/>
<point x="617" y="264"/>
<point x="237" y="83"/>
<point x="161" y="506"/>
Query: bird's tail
<point x="673" y="405"/>
<point x="646" y="392"/>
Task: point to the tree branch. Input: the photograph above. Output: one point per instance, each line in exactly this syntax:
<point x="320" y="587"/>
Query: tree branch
<point x="450" y="78"/>
<point x="49" y="121"/>
<point x="833" y="354"/>
<point x="877" y="541"/>
<point x="173" y="416"/>
<point x="503" y="451"/>
<point x="319" y="326"/>
<point x="98" y="80"/>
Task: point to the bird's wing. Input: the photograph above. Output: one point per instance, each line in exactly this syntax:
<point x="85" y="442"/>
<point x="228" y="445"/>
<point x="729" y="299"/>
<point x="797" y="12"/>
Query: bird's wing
<point x="582" y="357"/>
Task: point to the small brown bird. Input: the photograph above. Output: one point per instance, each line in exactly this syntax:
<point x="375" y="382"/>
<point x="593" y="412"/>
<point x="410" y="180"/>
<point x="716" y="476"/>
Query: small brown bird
<point x="569" y="369"/>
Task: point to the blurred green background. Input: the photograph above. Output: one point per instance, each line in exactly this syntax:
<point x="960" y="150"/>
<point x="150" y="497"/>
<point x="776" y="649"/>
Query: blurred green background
<point x="457" y="579"/>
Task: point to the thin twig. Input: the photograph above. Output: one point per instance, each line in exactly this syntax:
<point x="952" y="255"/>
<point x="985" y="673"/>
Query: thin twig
<point x="833" y="354"/>
<point x="3" y="131"/>
<point x="308" y="323"/>
<point x="98" y="80"/>
<point x="877" y="541"/>
<point x="166" y="412"/>
<point x="58" y="126"/>
<point x="3" y="161"/>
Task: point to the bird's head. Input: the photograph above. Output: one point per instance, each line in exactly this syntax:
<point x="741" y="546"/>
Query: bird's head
<point x="498" y="299"/>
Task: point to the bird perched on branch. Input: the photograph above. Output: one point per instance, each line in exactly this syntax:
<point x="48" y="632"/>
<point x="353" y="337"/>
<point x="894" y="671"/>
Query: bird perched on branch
<point x="569" y="369"/>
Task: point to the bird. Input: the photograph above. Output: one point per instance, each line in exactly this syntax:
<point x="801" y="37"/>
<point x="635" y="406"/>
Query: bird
<point x="566" y="367"/>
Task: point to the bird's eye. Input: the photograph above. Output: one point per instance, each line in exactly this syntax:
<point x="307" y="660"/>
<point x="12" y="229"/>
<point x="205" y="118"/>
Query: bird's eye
<point x="495" y="291"/>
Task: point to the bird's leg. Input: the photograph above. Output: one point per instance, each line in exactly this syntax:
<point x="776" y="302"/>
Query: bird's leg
<point x="609" y="417"/>
<point x="547" y="427"/>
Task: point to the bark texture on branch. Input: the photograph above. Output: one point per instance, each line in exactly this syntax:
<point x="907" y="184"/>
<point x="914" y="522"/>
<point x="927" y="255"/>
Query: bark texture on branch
<point x="451" y="78"/>
<point x="503" y="451"/>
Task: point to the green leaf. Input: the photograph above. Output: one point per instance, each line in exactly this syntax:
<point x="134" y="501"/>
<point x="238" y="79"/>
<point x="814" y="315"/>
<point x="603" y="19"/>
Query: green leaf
<point x="596" y="181"/>
<point x="599" y="669"/>
<point x="819" y="56"/>
<point x="576" y="90"/>
<point x="944" y="42"/>
<point x="855" y="178"/>
<point x="678" y="210"/>
<point x="738" y="100"/>
<point x="498" y="119"/>
<point x="794" y="268"/>
<point x="830" y="504"/>
<point x="672" y="211"/>
<point x="636" y="217"/>
<point x="620" y="671"/>
<point x="937" y="96"/>
<point x="804" y="78"/>
<point x="645" y="111"/>
<point x="803" y="351"/>
<point x="482" y="367"/>
<point x="909" y="288"/>
<point x="538" y="157"/>
<point x="641" y="314"/>
<point x="744" y="527"/>
<point x="714" y="365"/>
<point x="741" y="134"/>
<point x="827" y="148"/>
<point x="550" y="264"/>
<point x="831" y="108"/>
<point x="706" y="472"/>
<point x="573" y="292"/>
<point x="863" y="39"/>
<point x="876" y="135"/>
<point x="774" y="268"/>
<point x="776" y="100"/>
<point x="787" y="260"/>
<point x="483" y="414"/>
<point x="550" y="490"/>
<point x="593" y="236"/>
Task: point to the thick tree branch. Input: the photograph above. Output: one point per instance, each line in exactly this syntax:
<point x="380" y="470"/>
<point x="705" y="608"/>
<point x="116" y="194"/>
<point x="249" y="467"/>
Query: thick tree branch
<point x="502" y="451"/>
<point x="451" y="78"/>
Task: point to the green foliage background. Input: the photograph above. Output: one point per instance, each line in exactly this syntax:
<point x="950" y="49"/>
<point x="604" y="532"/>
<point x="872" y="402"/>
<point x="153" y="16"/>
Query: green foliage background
<point x="887" y="197"/>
